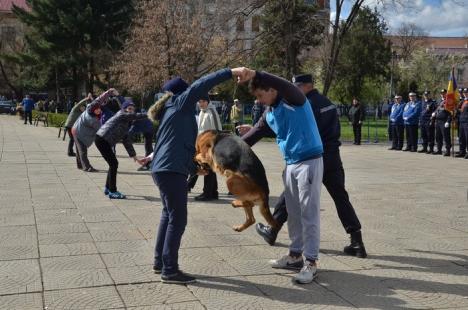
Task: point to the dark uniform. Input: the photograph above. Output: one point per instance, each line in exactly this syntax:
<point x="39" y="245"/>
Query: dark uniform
<point x="427" y="127"/>
<point x="356" y="117"/>
<point x="442" y="118"/>
<point x="464" y="127"/>
<point x="328" y="123"/>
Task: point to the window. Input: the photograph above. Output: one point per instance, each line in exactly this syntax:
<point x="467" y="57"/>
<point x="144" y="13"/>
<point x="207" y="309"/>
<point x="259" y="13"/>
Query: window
<point x="240" y="24"/>
<point x="8" y="34"/>
<point x="256" y="23"/>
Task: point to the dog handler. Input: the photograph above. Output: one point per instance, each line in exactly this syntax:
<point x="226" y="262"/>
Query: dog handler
<point x="289" y="115"/>
<point x="172" y="163"/>
<point x="328" y="124"/>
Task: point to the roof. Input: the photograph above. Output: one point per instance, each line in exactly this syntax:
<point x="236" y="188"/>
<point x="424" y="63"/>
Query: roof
<point x="438" y="42"/>
<point x="7" y="5"/>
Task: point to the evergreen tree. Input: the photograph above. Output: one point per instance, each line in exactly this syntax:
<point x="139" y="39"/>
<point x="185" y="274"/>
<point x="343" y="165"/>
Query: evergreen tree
<point x="72" y="40"/>
<point x="364" y="56"/>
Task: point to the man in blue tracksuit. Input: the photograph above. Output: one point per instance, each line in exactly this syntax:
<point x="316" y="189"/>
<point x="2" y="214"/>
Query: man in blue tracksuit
<point x="411" y="115"/>
<point x="427" y="127"/>
<point x="289" y="116"/>
<point x="172" y="163"/>
<point x="28" y="106"/>
<point x="328" y="124"/>
<point x="397" y="124"/>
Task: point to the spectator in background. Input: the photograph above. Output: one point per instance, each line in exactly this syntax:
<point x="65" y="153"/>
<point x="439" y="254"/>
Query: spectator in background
<point x="52" y="106"/>
<point x="226" y="113"/>
<point x="237" y="115"/>
<point x="257" y="111"/>
<point x="46" y="105"/>
<point x="40" y="106"/>
<point x="208" y="119"/>
<point x="28" y="106"/>
<point x="356" y="118"/>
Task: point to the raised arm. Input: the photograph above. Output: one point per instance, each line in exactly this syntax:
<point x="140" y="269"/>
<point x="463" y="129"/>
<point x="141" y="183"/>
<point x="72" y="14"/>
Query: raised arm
<point x="102" y="99"/>
<point x="202" y="86"/>
<point x="291" y="93"/>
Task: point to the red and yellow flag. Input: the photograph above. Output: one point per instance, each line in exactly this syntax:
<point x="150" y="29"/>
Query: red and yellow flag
<point x="451" y="101"/>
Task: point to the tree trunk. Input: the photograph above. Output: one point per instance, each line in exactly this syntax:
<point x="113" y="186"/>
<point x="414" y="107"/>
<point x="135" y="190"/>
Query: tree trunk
<point x="5" y="77"/>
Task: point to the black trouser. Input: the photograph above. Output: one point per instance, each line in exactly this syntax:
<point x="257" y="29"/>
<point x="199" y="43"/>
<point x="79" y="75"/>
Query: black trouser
<point x="427" y="135"/>
<point x="357" y="133"/>
<point x="334" y="181"/>
<point x="173" y="189"/>
<point x="109" y="156"/>
<point x="71" y="142"/>
<point x="463" y="138"/>
<point x="398" y="136"/>
<point x="411" y="137"/>
<point x="210" y="184"/>
<point x="28" y="114"/>
<point x="443" y="135"/>
<point x="390" y="131"/>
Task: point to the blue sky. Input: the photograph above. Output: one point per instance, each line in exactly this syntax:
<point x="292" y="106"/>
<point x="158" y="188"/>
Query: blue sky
<point x="436" y="17"/>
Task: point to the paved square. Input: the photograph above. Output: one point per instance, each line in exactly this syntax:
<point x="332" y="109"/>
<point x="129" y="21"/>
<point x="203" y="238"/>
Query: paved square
<point x="64" y="245"/>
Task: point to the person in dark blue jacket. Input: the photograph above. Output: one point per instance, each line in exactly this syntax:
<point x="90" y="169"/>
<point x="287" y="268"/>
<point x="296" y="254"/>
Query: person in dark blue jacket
<point x="172" y="162"/>
<point x="427" y="127"/>
<point x="28" y="106"/>
<point x="397" y="124"/>
<point x="411" y="115"/>
<point x="328" y="123"/>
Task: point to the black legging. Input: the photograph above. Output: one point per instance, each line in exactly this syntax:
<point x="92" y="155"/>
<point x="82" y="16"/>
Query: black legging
<point x="71" y="142"/>
<point x="106" y="151"/>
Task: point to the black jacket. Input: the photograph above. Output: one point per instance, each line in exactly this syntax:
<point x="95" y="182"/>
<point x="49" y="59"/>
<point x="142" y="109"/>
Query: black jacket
<point x="428" y="107"/>
<point x="356" y="114"/>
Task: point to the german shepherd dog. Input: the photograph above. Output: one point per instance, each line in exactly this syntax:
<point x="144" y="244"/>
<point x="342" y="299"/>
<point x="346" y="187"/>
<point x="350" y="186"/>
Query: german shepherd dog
<point x="245" y="175"/>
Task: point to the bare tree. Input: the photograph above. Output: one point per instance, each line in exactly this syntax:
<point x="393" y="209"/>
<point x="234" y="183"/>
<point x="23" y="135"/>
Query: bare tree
<point x="177" y="37"/>
<point x="408" y="39"/>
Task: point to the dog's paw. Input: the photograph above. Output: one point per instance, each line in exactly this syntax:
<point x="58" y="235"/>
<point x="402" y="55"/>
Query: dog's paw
<point x="237" y="204"/>
<point x="238" y="228"/>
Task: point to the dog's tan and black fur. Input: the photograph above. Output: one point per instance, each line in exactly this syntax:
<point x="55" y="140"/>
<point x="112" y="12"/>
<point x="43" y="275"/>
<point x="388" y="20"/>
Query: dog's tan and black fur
<point x="245" y="175"/>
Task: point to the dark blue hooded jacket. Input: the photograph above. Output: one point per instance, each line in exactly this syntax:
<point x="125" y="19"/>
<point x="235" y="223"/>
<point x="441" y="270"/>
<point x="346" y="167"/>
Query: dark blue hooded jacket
<point x="177" y="132"/>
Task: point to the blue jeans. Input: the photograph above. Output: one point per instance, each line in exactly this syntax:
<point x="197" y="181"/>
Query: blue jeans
<point x="173" y="190"/>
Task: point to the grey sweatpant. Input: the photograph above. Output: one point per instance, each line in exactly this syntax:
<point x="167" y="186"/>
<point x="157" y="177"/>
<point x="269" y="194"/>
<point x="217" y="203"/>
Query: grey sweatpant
<point x="302" y="183"/>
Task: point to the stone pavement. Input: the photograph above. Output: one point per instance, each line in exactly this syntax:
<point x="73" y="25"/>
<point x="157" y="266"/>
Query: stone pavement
<point x="64" y="245"/>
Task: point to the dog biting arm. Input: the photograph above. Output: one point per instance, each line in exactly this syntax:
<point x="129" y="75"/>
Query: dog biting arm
<point x="291" y="93"/>
<point x="259" y="131"/>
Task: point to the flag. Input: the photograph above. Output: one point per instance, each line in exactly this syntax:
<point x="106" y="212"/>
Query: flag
<point x="451" y="101"/>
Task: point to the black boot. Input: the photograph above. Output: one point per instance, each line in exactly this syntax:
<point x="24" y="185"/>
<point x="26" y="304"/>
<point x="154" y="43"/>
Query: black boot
<point x="447" y="153"/>
<point x="424" y="150"/>
<point x="268" y="233"/>
<point x="356" y="248"/>
<point x="430" y="151"/>
<point x="460" y="155"/>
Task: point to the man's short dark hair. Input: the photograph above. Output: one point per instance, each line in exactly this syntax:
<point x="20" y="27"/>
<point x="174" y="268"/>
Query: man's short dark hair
<point x="257" y="83"/>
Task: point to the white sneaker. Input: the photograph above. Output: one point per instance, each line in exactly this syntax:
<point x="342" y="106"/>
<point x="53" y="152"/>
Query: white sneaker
<point x="287" y="262"/>
<point x="307" y="273"/>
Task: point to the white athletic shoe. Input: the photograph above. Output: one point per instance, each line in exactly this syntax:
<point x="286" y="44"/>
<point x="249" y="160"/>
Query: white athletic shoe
<point x="307" y="273"/>
<point x="287" y="262"/>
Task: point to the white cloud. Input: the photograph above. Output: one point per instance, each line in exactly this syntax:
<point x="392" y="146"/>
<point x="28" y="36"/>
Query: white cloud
<point x="443" y="19"/>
